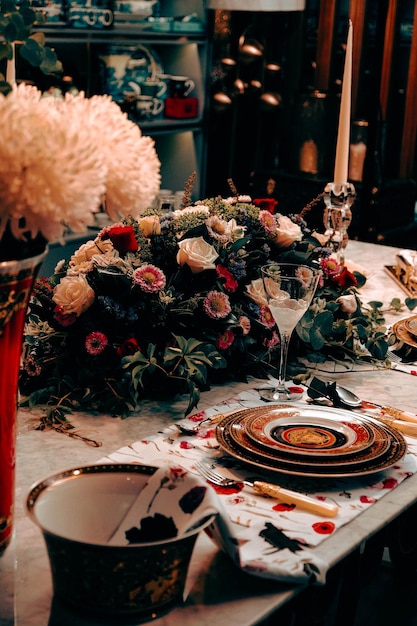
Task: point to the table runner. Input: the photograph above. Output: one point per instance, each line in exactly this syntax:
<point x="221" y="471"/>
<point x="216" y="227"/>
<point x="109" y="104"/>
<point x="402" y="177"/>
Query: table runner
<point x="263" y="536"/>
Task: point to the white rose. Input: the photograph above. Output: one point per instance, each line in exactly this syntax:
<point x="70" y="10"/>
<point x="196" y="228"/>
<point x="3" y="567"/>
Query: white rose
<point x="73" y="294"/>
<point x="256" y="292"/>
<point x="348" y="303"/>
<point x="197" y="254"/>
<point x="287" y="232"/>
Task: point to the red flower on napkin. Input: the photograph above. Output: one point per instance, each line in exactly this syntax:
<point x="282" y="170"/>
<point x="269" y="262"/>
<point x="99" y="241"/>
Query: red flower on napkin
<point x="281" y="506"/>
<point x="324" y="528"/>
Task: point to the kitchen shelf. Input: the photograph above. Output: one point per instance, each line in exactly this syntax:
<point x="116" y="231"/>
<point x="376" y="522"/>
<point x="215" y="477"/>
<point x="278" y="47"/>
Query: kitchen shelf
<point x="180" y="143"/>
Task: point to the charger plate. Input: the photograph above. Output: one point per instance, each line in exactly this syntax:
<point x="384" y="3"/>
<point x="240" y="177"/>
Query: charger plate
<point x="304" y="431"/>
<point x="403" y="334"/>
<point x="411" y="325"/>
<point x="387" y="449"/>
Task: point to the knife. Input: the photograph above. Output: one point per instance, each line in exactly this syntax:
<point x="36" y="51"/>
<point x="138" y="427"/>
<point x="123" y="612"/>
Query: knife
<point x="293" y="497"/>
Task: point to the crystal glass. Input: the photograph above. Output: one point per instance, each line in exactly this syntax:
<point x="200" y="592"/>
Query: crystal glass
<point x="338" y="199"/>
<point x="289" y="290"/>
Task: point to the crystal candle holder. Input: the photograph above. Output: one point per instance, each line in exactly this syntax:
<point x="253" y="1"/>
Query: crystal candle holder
<point x="338" y="200"/>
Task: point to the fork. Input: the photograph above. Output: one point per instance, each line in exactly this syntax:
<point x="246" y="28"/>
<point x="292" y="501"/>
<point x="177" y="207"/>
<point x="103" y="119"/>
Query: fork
<point x="394" y="357"/>
<point x="400" y="361"/>
<point x="207" y="470"/>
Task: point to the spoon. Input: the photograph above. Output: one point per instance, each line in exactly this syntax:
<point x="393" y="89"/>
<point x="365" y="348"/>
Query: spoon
<point x="348" y="398"/>
<point x="351" y="401"/>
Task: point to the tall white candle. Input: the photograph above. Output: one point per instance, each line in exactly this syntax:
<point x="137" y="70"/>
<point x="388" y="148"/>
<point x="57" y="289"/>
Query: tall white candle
<point x="343" y="136"/>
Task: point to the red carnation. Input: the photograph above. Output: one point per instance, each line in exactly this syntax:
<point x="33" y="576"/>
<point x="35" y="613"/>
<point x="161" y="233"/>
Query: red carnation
<point x="230" y="283"/>
<point x="122" y="237"/>
<point x="345" y="279"/>
<point x="129" y="346"/>
<point x="266" y="204"/>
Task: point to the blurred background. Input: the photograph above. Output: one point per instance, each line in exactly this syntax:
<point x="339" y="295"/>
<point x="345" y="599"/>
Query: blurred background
<point x="274" y="101"/>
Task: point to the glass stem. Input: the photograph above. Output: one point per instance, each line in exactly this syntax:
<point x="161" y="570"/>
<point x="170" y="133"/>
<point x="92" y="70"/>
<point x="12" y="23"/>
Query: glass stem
<point x="285" y="340"/>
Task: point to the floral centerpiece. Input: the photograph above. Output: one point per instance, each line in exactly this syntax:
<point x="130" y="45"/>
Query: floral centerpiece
<point x="171" y="303"/>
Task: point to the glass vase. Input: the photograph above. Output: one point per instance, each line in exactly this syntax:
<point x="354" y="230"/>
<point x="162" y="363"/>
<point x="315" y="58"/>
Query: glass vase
<point x="16" y="281"/>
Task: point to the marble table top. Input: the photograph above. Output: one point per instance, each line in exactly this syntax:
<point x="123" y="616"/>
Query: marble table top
<point x="217" y="592"/>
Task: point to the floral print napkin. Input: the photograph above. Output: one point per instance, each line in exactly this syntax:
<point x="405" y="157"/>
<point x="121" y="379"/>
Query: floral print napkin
<point x="265" y="537"/>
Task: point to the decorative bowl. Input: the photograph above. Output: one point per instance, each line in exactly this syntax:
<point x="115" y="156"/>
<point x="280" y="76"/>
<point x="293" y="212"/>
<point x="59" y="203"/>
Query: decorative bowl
<point x="78" y="510"/>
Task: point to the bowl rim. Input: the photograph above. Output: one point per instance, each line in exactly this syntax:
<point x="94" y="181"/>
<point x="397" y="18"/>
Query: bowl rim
<point x="102" y="468"/>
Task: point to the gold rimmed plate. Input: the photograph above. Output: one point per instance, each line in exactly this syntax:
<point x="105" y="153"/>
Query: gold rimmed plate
<point x="388" y="448"/>
<point x="237" y="433"/>
<point x="403" y="334"/>
<point x="411" y="325"/>
<point x="307" y="432"/>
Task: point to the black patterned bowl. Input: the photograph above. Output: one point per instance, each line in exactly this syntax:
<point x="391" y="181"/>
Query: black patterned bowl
<point x="77" y="510"/>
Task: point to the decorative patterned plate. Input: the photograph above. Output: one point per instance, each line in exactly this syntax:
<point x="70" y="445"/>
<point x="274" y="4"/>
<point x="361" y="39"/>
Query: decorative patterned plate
<point x="411" y="325"/>
<point x="305" y="431"/>
<point x="403" y="334"/>
<point x="378" y="448"/>
<point x="389" y="447"/>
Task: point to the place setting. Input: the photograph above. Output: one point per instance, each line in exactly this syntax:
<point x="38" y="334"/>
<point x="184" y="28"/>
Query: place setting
<point x="310" y="441"/>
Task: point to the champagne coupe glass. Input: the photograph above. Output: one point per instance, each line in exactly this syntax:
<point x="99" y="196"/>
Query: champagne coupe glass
<point x="289" y="290"/>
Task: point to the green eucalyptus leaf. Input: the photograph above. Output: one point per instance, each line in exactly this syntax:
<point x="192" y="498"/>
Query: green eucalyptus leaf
<point x="375" y="304"/>
<point x="360" y="278"/>
<point x="50" y="63"/>
<point x="411" y="303"/>
<point x="362" y="332"/>
<point x="32" y="52"/>
<point x="317" y="340"/>
<point x="6" y="50"/>
<point x="29" y="16"/>
<point x="378" y="348"/>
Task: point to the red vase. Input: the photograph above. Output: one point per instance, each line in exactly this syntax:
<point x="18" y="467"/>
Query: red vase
<point x="16" y="281"/>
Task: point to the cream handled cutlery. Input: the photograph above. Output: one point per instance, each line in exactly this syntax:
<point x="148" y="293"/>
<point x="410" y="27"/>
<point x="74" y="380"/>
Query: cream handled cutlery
<point x="270" y="490"/>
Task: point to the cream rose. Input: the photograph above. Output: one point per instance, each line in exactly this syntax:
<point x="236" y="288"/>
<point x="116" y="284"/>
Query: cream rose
<point x="85" y="253"/>
<point x="197" y="254"/>
<point x="149" y="225"/>
<point x="287" y="232"/>
<point x="73" y="294"/>
<point x="348" y="304"/>
<point x="256" y="292"/>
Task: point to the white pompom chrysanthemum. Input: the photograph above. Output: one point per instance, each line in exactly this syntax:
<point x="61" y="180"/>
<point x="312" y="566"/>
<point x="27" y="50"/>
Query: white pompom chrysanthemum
<point x="61" y="159"/>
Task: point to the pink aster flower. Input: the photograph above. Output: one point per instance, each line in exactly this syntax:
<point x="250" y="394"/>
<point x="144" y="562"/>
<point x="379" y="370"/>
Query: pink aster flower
<point x="330" y="266"/>
<point x="265" y="316"/>
<point x="268" y="221"/>
<point x="225" y="340"/>
<point x="95" y="343"/>
<point x="216" y="304"/>
<point x="149" y="278"/>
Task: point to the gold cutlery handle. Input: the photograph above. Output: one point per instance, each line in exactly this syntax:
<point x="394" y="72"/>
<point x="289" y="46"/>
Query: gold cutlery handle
<point x="291" y="497"/>
<point x="406" y="428"/>
<point x="398" y="414"/>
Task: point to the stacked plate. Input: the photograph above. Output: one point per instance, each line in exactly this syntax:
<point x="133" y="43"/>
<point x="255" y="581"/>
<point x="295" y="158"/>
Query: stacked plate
<point x="310" y="441"/>
<point x="406" y="331"/>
